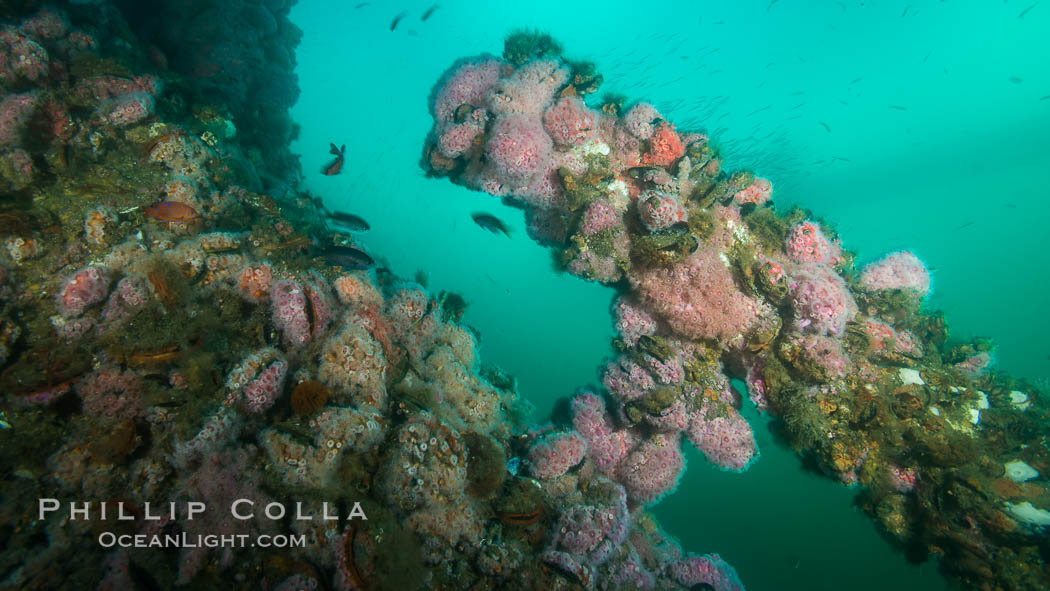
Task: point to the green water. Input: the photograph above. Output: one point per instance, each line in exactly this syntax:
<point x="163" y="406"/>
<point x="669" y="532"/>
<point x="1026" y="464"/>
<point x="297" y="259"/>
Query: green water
<point x="941" y="146"/>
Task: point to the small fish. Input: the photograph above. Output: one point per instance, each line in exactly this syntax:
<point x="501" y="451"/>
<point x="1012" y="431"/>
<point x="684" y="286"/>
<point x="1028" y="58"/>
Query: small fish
<point x="841" y="158"/>
<point x="1025" y="11"/>
<point x="335" y="166"/>
<point x="927" y="56"/>
<point x="397" y="19"/>
<point x="3" y="421"/>
<point x="906" y="9"/>
<point x="172" y="212"/>
<point x="350" y="258"/>
<point x="361" y="5"/>
<point x="966" y="225"/>
<point x="771" y="3"/>
<point x="1011" y="206"/>
<point x="430" y="12"/>
<point x="1043" y="98"/>
<point x="349" y="221"/>
<point x="854" y="81"/>
<point x="1016" y="79"/>
<point x="898" y="107"/>
<point x="825" y="126"/>
<point x="490" y="223"/>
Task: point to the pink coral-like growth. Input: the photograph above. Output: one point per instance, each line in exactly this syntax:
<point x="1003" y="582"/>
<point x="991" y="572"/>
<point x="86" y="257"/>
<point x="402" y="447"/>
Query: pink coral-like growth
<point x="632" y="320"/>
<point x="518" y="149"/>
<point x="126" y="109"/>
<point x="903" y="479"/>
<point x="653" y="470"/>
<point x="529" y="89"/>
<point x="639" y="120"/>
<point x="665" y="147"/>
<point x="726" y="441"/>
<point x="556" y="454"/>
<point x="290" y="312"/>
<point x="660" y="210"/>
<point x="570" y="122"/>
<point x="897" y="270"/>
<point x="605" y="446"/>
<point x="47" y="23"/>
<point x="130" y="294"/>
<point x="824" y="352"/>
<point x="757" y="192"/>
<point x="599" y="216"/>
<point x="21" y="57"/>
<point x="469" y="84"/>
<point x="625" y="379"/>
<point x="84" y="288"/>
<point x="261" y="392"/>
<point x="709" y="570"/>
<point x="15" y="111"/>
<point x="111" y="395"/>
<point x="822" y="303"/>
<point x="806" y="243"/>
<point x="697" y="297"/>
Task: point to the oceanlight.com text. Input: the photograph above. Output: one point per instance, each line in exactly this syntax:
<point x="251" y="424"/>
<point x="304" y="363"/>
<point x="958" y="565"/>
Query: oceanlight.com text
<point x="183" y="540"/>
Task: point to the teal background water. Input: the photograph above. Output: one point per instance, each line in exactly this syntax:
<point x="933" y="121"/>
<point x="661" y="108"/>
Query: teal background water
<point x="917" y="125"/>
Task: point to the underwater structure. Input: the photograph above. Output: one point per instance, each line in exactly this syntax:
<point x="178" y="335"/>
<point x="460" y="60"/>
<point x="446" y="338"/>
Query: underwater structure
<point x="204" y="388"/>
<point x="716" y="284"/>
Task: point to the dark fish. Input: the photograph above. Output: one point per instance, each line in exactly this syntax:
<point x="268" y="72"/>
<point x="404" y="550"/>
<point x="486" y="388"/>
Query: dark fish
<point x="422" y="278"/>
<point x="771" y="3"/>
<point x="966" y="225"/>
<point x="825" y="126"/>
<point x="898" y="107"/>
<point x="430" y="12"/>
<point x="854" y="81"/>
<point x="333" y="167"/>
<point x="637" y="172"/>
<point x="349" y="221"/>
<point x="1025" y="11"/>
<point x="361" y="5"/>
<point x="906" y="9"/>
<point x="347" y="257"/>
<point x="841" y="158"/>
<point x="1043" y="98"/>
<point x="490" y="223"/>
<point x="1015" y="79"/>
<point x="397" y="19"/>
